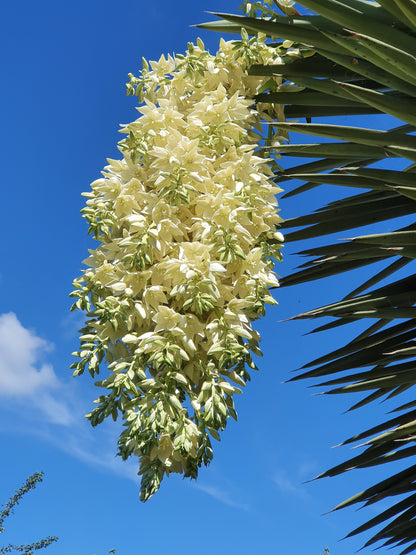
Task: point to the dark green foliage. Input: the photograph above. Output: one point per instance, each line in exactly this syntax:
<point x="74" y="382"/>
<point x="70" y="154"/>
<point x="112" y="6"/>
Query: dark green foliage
<point x="355" y="71"/>
<point x="8" y="509"/>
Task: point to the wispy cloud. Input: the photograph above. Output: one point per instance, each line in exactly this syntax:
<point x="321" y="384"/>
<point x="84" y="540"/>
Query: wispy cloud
<point x="283" y="483"/>
<point x="287" y="484"/>
<point x="57" y="409"/>
<point x="222" y="495"/>
<point x="20" y="350"/>
<point x="104" y="457"/>
<point x="53" y="409"/>
<point x="23" y="374"/>
<point x="96" y="447"/>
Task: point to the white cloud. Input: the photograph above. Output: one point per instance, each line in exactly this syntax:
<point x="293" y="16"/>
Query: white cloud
<point x="283" y="483"/>
<point x="221" y="495"/>
<point x="100" y="452"/>
<point x="23" y="375"/>
<point x="20" y="350"/>
<point x="224" y="489"/>
<point x="56" y="411"/>
<point x="36" y="401"/>
<point x="287" y="485"/>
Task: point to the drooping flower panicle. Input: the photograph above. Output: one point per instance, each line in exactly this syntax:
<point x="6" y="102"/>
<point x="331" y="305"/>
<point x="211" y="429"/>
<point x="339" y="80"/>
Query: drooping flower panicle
<point x="187" y="229"/>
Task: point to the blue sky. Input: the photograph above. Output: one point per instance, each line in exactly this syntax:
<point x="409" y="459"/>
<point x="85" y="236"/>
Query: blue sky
<point x="64" y="67"/>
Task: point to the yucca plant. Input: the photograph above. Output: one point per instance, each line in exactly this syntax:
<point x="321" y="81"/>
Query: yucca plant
<point x="354" y="71"/>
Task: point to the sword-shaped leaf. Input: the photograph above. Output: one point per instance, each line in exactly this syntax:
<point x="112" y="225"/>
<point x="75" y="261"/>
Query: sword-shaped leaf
<point x="393" y="177"/>
<point x="309" y="112"/>
<point x="398" y="238"/>
<point x="333" y="150"/>
<point x="364" y="63"/>
<point x="383" y="274"/>
<point x="353" y="134"/>
<point x="403" y="109"/>
<point x="307" y="98"/>
<point x="397" y="61"/>
<point x="409" y="192"/>
<point x="324" y="223"/>
<point x="302" y="68"/>
<point x="403" y="152"/>
<point x="374" y="70"/>
<point x="355" y="19"/>
<point x="296" y="29"/>
<point x="345" y="180"/>
<point x="385" y="515"/>
<point x="398" y="333"/>
<point x="408" y="8"/>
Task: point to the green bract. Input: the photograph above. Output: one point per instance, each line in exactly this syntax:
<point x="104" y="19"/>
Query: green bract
<point x="187" y="230"/>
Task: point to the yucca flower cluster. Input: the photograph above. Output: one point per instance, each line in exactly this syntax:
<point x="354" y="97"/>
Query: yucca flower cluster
<point x="187" y="229"/>
<point x="260" y="8"/>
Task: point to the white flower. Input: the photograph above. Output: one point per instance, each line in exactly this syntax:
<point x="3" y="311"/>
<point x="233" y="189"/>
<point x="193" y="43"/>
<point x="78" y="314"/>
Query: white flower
<point x="168" y="319"/>
<point x="186" y="224"/>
